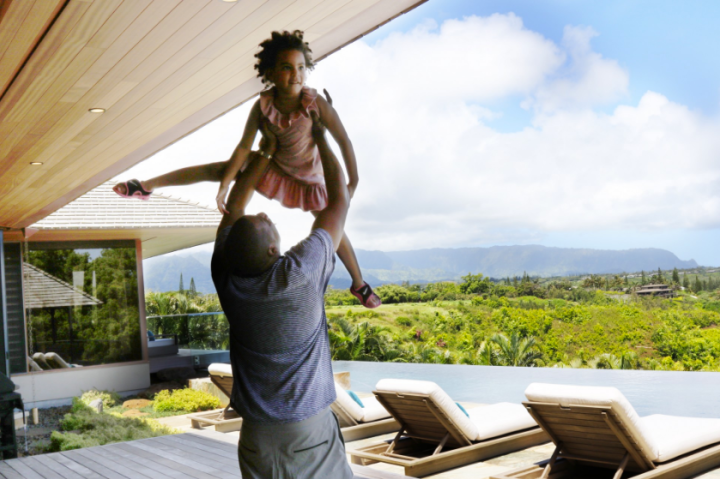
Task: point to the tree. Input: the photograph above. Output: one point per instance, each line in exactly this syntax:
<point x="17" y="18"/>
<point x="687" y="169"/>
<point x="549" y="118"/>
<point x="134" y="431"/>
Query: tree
<point x="660" y="277"/>
<point x="643" y="281"/>
<point x="686" y="282"/>
<point x="475" y="284"/>
<point x="698" y="285"/>
<point x="193" y="291"/>
<point x="516" y="351"/>
<point x="181" y="289"/>
<point x="675" y="276"/>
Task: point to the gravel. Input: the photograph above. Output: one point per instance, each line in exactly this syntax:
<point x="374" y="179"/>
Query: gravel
<point x="38" y="435"/>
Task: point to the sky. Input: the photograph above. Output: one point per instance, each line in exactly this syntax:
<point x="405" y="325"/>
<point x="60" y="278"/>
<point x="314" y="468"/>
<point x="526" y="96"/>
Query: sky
<point x="563" y="123"/>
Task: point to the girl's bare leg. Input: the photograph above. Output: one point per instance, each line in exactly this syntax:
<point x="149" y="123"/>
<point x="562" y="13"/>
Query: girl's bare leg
<point x="346" y="253"/>
<point x="184" y="176"/>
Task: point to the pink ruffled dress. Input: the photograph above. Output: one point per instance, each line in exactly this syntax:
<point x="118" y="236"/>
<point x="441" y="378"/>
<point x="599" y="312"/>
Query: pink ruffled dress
<point x="295" y="176"/>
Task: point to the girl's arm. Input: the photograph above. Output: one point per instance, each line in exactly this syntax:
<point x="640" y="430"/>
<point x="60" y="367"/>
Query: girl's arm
<point x="331" y="120"/>
<point x="239" y="156"/>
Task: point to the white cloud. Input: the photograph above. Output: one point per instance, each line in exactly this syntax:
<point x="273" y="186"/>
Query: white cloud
<point x="419" y="108"/>
<point x="588" y="79"/>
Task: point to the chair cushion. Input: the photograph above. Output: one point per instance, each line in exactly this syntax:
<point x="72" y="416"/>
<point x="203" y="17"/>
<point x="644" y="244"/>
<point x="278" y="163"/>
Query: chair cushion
<point x="373" y="410"/>
<point x="567" y="395"/>
<point x="440" y="397"/>
<point x="672" y="436"/>
<point x="501" y="418"/>
<point x="348" y="404"/>
<point x="220" y="369"/>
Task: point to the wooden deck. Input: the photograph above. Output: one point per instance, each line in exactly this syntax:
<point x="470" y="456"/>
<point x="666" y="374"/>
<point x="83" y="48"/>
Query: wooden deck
<point x="205" y="455"/>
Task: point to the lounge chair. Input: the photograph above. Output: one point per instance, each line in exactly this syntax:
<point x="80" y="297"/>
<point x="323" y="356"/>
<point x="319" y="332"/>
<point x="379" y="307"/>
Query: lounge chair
<point x="436" y="434"/>
<point x="359" y="422"/>
<point x="224" y="420"/>
<point x="596" y="427"/>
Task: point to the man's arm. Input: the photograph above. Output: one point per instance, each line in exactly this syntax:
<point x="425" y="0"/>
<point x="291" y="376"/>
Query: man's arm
<point x="332" y="218"/>
<point x="244" y="186"/>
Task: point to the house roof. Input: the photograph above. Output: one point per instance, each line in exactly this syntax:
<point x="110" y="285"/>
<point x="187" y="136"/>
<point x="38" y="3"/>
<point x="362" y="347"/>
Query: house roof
<point x="163" y="223"/>
<point x="159" y="70"/>
<point x="43" y="290"/>
<point x="102" y="209"/>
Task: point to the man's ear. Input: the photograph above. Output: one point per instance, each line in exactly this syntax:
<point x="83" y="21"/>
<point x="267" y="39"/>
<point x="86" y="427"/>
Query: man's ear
<point x="272" y="250"/>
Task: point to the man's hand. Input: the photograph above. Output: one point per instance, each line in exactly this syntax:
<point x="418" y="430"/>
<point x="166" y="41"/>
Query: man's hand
<point x="318" y="129"/>
<point x="220" y="199"/>
<point x="351" y="189"/>
<point x="268" y="142"/>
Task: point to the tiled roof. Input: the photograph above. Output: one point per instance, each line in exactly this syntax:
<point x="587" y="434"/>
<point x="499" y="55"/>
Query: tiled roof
<point x="43" y="290"/>
<point x="101" y="208"/>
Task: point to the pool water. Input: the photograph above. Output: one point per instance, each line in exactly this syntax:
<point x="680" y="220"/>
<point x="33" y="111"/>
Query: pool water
<point x="677" y="393"/>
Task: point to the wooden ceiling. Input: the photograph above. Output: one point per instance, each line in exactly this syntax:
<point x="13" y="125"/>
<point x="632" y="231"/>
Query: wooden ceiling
<point x="160" y="69"/>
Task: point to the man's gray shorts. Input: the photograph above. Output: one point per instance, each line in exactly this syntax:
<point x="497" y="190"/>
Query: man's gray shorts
<point x="312" y="449"/>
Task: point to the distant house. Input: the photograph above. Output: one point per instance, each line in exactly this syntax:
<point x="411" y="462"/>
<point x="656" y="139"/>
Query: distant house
<point x="75" y="288"/>
<point x="655" y="290"/>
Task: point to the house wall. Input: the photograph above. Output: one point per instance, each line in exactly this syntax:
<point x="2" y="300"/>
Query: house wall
<point x="44" y="389"/>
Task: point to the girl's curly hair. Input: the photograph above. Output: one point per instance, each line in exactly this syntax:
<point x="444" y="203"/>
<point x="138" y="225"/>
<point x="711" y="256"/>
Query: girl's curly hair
<point x="278" y="42"/>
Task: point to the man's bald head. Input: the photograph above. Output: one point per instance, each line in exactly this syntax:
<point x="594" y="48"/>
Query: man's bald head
<point x="252" y="246"/>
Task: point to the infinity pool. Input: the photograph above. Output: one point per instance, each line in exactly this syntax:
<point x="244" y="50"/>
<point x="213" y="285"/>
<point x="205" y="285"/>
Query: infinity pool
<point x="676" y="393"/>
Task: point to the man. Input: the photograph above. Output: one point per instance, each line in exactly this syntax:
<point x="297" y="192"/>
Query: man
<point x="279" y="347"/>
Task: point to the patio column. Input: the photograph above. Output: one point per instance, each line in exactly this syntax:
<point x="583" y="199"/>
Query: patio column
<point x="5" y="356"/>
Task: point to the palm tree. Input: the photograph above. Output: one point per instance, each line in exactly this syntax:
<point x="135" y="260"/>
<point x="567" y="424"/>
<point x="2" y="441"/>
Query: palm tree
<point x="516" y="351"/>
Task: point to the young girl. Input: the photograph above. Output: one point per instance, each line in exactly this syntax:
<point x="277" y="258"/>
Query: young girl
<point x="295" y="176"/>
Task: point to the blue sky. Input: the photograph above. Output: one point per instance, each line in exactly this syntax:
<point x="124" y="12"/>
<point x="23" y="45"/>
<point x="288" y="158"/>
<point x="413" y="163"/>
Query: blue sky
<point x="477" y="123"/>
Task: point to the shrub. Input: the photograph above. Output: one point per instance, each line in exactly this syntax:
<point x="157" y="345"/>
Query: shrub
<point x="185" y="400"/>
<point x="92" y="429"/>
<point x="403" y="321"/>
<point x="109" y="398"/>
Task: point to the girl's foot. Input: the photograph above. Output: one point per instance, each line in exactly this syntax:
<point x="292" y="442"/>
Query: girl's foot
<point x="367" y="296"/>
<point x="132" y="189"/>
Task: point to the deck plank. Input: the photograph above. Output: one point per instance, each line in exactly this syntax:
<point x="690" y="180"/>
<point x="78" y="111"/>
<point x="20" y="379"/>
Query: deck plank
<point x="98" y="468"/>
<point x="170" y="464"/>
<point x="180" y="460"/>
<point x="191" y="458"/>
<point x="79" y="468"/>
<point x="198" y="447"/>
<point x="38" y="467"/>
<point x="22" y="468"/>
<point x="8" y="472"/>
<point x="228" y="450"/>
<point x="61" y="469"/>
<point x="132" y="461"/>
<point x="182" y="456"/>
<point x="99" y="455"/>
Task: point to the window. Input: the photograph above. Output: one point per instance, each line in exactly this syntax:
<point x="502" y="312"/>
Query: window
<point x="81" y="303"/>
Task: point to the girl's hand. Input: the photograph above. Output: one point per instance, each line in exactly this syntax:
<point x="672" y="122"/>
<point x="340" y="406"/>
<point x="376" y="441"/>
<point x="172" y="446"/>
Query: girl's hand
<point x="351" y="189"/>
<point x="222" y="194"/>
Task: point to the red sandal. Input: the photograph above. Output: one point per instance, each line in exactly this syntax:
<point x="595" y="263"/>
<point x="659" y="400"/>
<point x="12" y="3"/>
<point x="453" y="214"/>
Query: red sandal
<point x="134" y="189"/>
<point x="367" y="296"/>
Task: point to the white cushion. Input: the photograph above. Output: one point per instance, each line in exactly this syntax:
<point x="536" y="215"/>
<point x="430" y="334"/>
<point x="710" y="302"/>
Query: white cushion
<point x="501" y="418"/>
<point x="595" y="396"/>
<point x="672" y="436"/>
<point x="220" y="369"/>
<point x="348" y="403"/>
<point x="436" y="393"/>
<point x="373" y="410"/>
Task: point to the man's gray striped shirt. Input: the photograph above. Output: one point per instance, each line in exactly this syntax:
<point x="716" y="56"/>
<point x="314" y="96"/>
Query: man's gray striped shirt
<point x="279" y="346"/>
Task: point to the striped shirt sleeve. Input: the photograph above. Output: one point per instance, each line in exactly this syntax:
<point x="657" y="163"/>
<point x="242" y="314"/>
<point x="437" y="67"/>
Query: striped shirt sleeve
<point x="315" y="257"/>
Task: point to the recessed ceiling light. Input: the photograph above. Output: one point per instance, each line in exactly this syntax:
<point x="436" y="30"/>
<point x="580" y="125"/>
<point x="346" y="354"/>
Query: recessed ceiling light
<point x="36" y="163"/>
<point x="229" y="1"/>
<point x="97" y="110"/>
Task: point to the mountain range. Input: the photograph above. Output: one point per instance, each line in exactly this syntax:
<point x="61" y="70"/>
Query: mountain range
<point x="162" y="273"/>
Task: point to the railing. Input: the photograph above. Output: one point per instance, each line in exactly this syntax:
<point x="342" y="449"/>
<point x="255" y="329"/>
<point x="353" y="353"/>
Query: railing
<point x="207" y="331"/>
